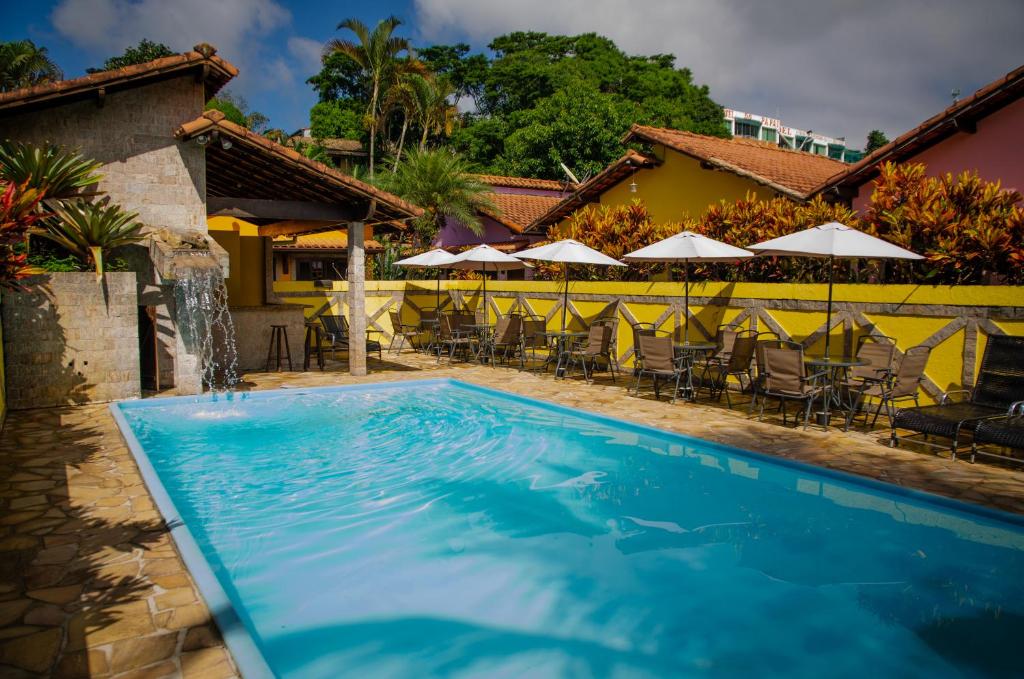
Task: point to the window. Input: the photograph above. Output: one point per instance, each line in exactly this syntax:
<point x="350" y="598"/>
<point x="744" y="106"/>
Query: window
<point x="768" y="134"/>
<point x="818" y="149"/>
<point x="746" y="128"/>
<point x="835" y="152"/>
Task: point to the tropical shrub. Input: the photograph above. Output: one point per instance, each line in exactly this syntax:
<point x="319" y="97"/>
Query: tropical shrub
<point x="90" y="230"/>
<point x="52" y="169"/>
<point x="19" y="212"/>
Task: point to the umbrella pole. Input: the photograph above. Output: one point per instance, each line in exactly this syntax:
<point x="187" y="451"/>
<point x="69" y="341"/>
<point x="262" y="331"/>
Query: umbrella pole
<point x="686" y="309"/>
<point x="485" y="293"/>
<point x="828" y="313"/>
<point x="437" y="302"/>
<point x="565" y="295"/>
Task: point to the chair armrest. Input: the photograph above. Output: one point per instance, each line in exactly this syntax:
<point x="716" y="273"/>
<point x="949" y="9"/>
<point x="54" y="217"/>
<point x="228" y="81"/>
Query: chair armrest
<point x="814" y="377"/>
<point x="945" y="396"/>
<point x="1016" y="409"/>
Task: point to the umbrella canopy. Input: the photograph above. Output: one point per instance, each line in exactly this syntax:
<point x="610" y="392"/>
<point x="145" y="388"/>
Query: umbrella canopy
<point x="432" y="259"/>
<point x="484" y="258"/>
<point x="688" y="247"/>
<point x="832" y="240"/>
<point x="568" y="252"/>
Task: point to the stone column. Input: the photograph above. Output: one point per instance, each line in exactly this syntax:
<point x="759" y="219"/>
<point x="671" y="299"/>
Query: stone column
<point x="356" y="299"/>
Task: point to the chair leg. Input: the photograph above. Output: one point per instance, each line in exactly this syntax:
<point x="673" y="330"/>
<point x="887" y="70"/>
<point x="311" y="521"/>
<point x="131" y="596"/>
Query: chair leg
<point x="760" y="416"/>
<point x="807" y="413"/>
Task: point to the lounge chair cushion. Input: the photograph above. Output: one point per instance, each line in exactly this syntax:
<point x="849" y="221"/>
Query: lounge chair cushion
<point x="1006" y="432"/>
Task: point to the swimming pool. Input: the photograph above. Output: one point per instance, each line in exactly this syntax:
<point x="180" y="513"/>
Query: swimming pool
<point x="435" y="528"/>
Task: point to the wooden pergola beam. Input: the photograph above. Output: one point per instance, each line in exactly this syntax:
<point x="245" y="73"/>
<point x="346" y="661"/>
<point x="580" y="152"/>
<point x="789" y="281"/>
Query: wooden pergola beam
<point x="294" y="227"/>
<point x="261" y="208"/>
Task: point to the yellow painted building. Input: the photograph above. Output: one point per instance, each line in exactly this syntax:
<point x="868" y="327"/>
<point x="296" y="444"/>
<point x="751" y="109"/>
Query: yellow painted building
<point x="246" y="281"/>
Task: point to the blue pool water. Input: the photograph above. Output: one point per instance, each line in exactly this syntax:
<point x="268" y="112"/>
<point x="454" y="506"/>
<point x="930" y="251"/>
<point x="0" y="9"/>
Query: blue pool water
<point x="437" y="529"/>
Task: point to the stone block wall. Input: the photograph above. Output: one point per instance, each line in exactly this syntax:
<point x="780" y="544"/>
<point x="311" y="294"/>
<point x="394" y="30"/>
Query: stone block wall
<point x="252" y="333"/>
<point x="145" y="169"/>
<point x="67" y="339"/>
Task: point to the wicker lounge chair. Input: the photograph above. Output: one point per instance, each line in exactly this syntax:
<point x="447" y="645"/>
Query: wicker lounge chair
<point x="1000" y="384"/>
<point x="337" y="335"/>
<point x="404" y="333"/>
<point x="660" y="364"/>
<point x="901" y="384"/>
<point x="1006" y="432"/>
<point x="787" y="379"/>
<point x="589" y="353"/>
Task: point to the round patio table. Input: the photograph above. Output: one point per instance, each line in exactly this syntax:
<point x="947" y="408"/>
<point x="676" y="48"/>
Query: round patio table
<point x="835" y="368"/>
<point x="481" y="330"/>
<point x="561" y="338"/>
<point x="687" y="350"/>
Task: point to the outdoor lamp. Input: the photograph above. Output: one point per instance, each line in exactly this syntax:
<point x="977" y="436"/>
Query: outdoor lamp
<point x="202" y="139"/>
<point x="225" y="143"/>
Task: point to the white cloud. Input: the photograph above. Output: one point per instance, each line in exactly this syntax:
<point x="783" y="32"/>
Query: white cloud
<point x="306" y="53"/>
<point x="840" y="68"/>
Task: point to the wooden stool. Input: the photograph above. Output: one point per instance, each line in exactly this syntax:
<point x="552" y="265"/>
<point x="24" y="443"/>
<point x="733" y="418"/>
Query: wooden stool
<point x="314" y="340"/>
<point x="276" y="333"/>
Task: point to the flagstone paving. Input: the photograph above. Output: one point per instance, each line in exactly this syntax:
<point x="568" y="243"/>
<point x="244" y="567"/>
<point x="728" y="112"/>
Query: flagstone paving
<point x="92" y="586"/>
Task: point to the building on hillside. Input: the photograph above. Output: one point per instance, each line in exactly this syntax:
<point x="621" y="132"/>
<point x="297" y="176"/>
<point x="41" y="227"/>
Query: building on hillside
<point x="315" y="256"/>
<point x="983" y="133"/>
<point x="764" y="128"/>
<point x="346" y="154"/>
<point x="684" y="173"/>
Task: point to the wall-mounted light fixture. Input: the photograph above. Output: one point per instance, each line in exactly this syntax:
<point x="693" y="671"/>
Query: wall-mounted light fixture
<point x="632" y="184"/>
<point x="202" y="139"/>
<point x="225" y="143"/>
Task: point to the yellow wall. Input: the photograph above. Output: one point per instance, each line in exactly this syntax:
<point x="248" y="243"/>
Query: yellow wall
<point x="916" y="313"/>
<point x="246" y="264"/>
<point x="679" y="188"/>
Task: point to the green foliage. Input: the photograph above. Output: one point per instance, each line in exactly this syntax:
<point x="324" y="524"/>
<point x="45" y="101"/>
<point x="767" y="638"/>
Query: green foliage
<point x="440" y="182"/>
<point x="342" y="79"/>
<point x="466" y="72"/>
<point x="236" y="110"/>
<point x="336" y="120"/>
<point x="50" y="169"/>
<point x="876" y="140"/>
<point x="19" y="212"/>
<point x="90" y="230"/>
<point x="24" y="64"/>
<point x="145" y="51"/>
<point x="383" y="263"/>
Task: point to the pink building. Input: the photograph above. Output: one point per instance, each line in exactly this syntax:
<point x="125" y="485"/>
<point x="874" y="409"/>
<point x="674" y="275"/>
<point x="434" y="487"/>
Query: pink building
<point x="983" y="132"/>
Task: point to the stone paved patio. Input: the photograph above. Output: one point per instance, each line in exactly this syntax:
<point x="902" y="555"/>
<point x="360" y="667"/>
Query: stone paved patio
<point x="91" y="585"/>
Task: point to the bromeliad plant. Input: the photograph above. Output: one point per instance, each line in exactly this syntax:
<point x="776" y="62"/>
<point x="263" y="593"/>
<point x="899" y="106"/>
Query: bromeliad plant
<point x="61" y="174"/>
<point x="19" y="212"/>
<point x="90" y="230"/>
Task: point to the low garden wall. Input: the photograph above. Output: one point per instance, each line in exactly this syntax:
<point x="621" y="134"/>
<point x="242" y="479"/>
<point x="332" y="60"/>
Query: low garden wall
<point x="953" y="321"/>
<point x="67" y="339"/>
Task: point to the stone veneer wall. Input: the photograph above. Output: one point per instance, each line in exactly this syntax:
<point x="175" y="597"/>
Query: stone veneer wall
<point x="252" y="333"/>
<point x="145" y="169"/>
<point x="67" y="339"/>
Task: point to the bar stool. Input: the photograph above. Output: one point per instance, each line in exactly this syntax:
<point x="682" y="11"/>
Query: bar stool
<point x="313" y="342"/>
<point x="276" y="333"/>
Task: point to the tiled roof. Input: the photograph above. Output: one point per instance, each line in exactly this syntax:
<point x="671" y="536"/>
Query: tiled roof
<point x="215" y="71"/>
<point x="517" y="211"/>
<point x="961" y="116"/>
<point x="325" y="240"/>
<point x="349" y="146"/>
<point x="523" y="182"/>
<point x="285" y="162"/>
<point x="795" y="173"/>
<point x="590" y="190"/>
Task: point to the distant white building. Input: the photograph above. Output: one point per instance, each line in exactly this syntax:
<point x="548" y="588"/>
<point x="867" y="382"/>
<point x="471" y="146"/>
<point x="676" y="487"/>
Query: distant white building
<point x="772" y="130"/>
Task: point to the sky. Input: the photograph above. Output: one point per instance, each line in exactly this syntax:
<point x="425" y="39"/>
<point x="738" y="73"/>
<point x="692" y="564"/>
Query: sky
<point x="838" y="67"/>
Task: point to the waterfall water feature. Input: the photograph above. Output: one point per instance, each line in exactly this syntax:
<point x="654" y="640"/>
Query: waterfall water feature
<point x="203" y="319"/>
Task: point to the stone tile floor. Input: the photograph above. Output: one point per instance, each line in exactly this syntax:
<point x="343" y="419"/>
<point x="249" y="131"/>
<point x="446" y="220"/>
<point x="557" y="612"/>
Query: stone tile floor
<point x="92" y="586"/>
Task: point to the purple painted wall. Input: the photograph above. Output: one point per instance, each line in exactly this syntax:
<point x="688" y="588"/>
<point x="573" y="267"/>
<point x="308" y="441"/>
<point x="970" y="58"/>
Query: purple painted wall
<point x="994" y="151"/>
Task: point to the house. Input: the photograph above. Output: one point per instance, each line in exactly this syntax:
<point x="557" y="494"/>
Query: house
<point x="204" y="188"/>
<point x="766" y="128"/>
<point x="346" y="154"/>
<point x="983" y="133"/>
<point x="684" y="173"/>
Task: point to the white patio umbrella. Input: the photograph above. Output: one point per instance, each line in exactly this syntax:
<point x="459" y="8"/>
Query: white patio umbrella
<point x="832" y="240"/>
<point x="432" y="259"/>
<point x="484" y="258"/>
<point x="688" y="247"/>
<point x="568" y="252"/>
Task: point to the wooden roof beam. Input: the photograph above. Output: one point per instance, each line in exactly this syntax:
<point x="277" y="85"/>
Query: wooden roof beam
<point x="259" y="208"/>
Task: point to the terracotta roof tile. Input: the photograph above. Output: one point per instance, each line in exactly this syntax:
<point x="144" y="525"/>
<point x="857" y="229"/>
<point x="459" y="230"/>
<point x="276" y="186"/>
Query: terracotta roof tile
<point x="217" y="73"/>
<point x="795" y="173"/>
<point x="524" y="182"/>
<point x="325" y="240"/>
<point x="518" y="210"/>
<point x="963" y="114"/>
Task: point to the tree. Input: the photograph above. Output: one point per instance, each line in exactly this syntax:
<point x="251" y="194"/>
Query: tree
<point x="24" y="64"/>
<point x="335" y="120"/>
<point x="436" y="114"/>
<point x="876" y="140"/>
<point x="377" y="55"/>
<point x="236" y="109"/>
<point x="440" y="182"/>
<point x="145" y="51"/>
<point x="466" y="72"/>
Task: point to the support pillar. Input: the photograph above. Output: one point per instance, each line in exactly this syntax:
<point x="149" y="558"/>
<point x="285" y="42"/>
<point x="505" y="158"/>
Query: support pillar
<point x="357" y="298"/>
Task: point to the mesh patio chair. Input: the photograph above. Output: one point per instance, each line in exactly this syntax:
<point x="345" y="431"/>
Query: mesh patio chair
<point x="787" y="379"/>
<point x="639" y="330"/>
<point x="1005" y="432"/>
<point x="613" y="345"/>
<point x="725" y="337"/>
<point x="1000" y="384"/>
<point x="533" y="344"/>
<point x="902" y="384"/>
<point x="453" y="337"/>
<point x="404" y="333"/>
<point x="506" y="338"/>
<point x="336" y="332"/>
<point x="660" y="364"/>
<point x="762" y="341"/>
<point x="428" y="325"/>
<point x="717" y="371"/>
<point x="589" y="353"/>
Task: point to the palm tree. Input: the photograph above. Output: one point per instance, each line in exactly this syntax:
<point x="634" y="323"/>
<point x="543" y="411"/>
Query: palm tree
<point x="403" y="97"/>
<point x="437" y="115"/>
<point x="377" y="54"/>
<point x="439" y="182"/>
<point x="23" y="64"/>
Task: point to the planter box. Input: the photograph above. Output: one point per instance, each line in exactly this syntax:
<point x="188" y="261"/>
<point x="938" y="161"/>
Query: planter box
<point x="68" y="339"/>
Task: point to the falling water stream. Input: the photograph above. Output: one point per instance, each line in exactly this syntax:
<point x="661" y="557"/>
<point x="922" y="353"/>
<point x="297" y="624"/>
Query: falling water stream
<point x="204" y="320"/>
